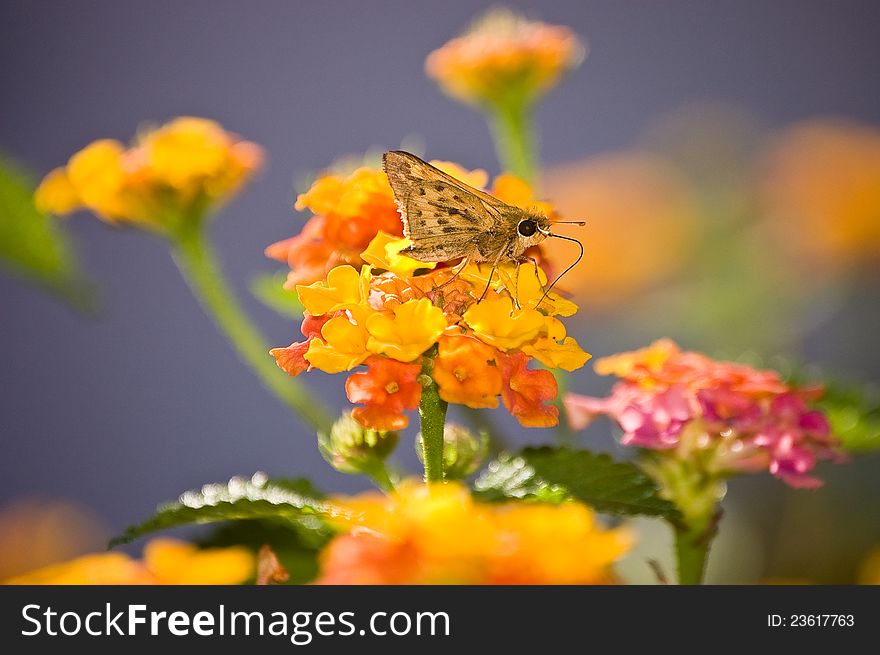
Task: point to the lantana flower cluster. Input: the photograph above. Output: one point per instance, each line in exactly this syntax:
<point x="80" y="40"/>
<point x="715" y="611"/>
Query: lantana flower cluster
<point x="402" y="319"/>
<point x="438" y="534"/>
<point x="505" y="55"/>
<point x="730" y="416"/>
<point x="171" y="172"/>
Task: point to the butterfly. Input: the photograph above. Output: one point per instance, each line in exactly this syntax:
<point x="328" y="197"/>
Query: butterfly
<point x="446" y="219"/>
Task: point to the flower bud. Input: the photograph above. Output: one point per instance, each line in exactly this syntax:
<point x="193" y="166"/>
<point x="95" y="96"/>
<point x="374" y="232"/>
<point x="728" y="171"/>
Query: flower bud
<point x="463" y="453"/>
<point x="352" y="448"/>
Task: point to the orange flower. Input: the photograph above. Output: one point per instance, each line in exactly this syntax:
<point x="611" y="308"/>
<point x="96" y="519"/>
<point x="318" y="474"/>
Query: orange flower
<point x="292" y="359"/>
<point x="466" y="373"/>
<point x="643" y="224"/>
<point x="438" y="534"/>
<point x="171" y="174"/>
<point x="823" y="192"/>
<point x="387" y="388"/>
<point x="505" y="58"/>
<point x="526" y="392"/>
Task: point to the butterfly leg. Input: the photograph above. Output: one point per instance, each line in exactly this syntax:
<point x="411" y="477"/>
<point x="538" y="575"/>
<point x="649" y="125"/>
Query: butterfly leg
<point x="491" y="275"/>
<point x="457" y="271"/>
<point x="516" y="284"/>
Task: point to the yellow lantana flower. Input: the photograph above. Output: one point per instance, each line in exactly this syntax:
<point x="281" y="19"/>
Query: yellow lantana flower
<point x="556" y="350"/>
<point x="495" y="322"/>
<point x="384" y="253"/>
<point x="166" y="561"/>
<point x="343" y="344"/>
<point x="415" y="326"/>
<point x="345" y="286"/>
<point x="173" y="173"/>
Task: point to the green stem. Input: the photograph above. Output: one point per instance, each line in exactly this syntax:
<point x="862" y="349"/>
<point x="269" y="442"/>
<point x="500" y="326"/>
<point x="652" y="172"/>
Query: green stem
<point x="432" y="412"/>
<point x="198" y="263"/>
<point x="691" y="551"/>
<point x="382" y="479"/>
<point x="511" y="125"/>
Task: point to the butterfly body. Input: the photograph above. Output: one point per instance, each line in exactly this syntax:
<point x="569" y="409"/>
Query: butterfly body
<point x="447" y="219"/>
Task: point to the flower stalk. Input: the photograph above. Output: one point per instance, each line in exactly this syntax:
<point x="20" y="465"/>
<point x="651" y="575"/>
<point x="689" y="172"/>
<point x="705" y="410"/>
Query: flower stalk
<point x="513" y="133"/>
<point x="198" y="263"/>
<point x="432" y="413"/>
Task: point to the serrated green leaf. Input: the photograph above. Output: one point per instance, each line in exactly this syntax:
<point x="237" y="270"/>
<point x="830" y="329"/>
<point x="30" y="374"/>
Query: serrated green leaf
<point x="269" y="289"/>
<point x="293" y="502"/>
<point x="556" y="474"/>
<point x="34" y="245"/>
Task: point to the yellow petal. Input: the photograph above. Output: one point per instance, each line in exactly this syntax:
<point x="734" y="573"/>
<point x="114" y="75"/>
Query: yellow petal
<point x="494" y="322"/>
<point x="415" y="326"/>
<point x="56" y="194"/>
<point x="343" y="346"/>
<point x="566" y="354"/>
<point x="178" y="562"/>
<point x="384" y="253"/>
<point x="344" y="286"/>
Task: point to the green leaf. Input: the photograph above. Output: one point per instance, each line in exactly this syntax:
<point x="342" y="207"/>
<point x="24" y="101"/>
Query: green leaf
<point x="854" y="413"/>
<point x="34" y="245"/>
<point x="296" y="549"/>
<point x="556" y="474"/>
<point x="269" y="289"/>
<point x="293" y="502"/>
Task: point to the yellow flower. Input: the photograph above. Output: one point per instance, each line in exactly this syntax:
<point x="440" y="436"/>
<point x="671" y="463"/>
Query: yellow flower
<point x="555" y="349"/>
<point x="384" y="253"/>
<point x="439" y="534"/>
<point x="56" y="194"/>
<point x="345" y="286"/>
<point x="477" y="178"/>
<point x="343" y="344"/>
<point x="177" y="562"/>
<point x="495" y="322"/>
<point x="505" y="58"/>
<point x="415" y="327"/>
<point x="173" y="173"/>
<point x="166" y="561"/>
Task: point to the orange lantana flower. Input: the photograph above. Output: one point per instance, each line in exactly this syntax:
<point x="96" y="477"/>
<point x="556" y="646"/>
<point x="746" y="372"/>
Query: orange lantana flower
<point x="526" y="392"/>
<point x="386" y="389"/>
<point x="466" y="373"/>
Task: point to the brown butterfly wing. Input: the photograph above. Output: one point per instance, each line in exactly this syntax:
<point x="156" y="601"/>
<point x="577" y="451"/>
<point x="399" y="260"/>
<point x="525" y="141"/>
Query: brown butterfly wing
<point x="443" y="217"/>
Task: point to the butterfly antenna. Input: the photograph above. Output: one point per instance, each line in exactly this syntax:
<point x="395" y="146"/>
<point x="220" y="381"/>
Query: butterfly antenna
<point x="559" y="277"/>
<point x="581" y="223"/>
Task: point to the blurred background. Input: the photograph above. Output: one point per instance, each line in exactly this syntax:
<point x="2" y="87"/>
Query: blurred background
<point x="725" y="154"/>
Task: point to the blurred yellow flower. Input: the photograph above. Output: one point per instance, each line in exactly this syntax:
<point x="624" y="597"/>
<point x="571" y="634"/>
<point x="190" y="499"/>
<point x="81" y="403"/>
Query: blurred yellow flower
<point x="496" y="322"/>
<point x="439" y="534"/>
<point x="869" y="573"/>
<point x="504" y="58"/>
<point x="651" y="359"/>
<point x="415" y="326"/>
<point x="166" y="561"/>
<point x="177" y="562"/>
<point x="384" y="253"/>
<point x="642" y="224"/>
<point x="171" y="174"/>
<point x="822" y="190"/>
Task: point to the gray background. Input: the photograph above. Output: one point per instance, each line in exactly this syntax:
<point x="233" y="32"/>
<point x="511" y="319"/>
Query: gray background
<point x="127" y="410"/>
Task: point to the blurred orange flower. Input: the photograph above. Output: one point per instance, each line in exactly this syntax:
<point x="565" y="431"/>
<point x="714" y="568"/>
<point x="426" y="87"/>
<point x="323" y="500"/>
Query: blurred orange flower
<point x="504" y="58"/>
<point x="438" y="534"/>
<point x="822" y="189"/>
<point x="642" y="224"/>
<point x="526" y="393"/>
<point x="172" y="173"/>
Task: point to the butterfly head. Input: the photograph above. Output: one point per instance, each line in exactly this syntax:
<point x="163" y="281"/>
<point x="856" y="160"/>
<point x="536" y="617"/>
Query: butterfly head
<point x="531" y="229"/>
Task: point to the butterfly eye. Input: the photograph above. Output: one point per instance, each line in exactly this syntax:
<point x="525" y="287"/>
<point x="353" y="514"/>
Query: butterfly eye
<point x="527" y="227"/>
